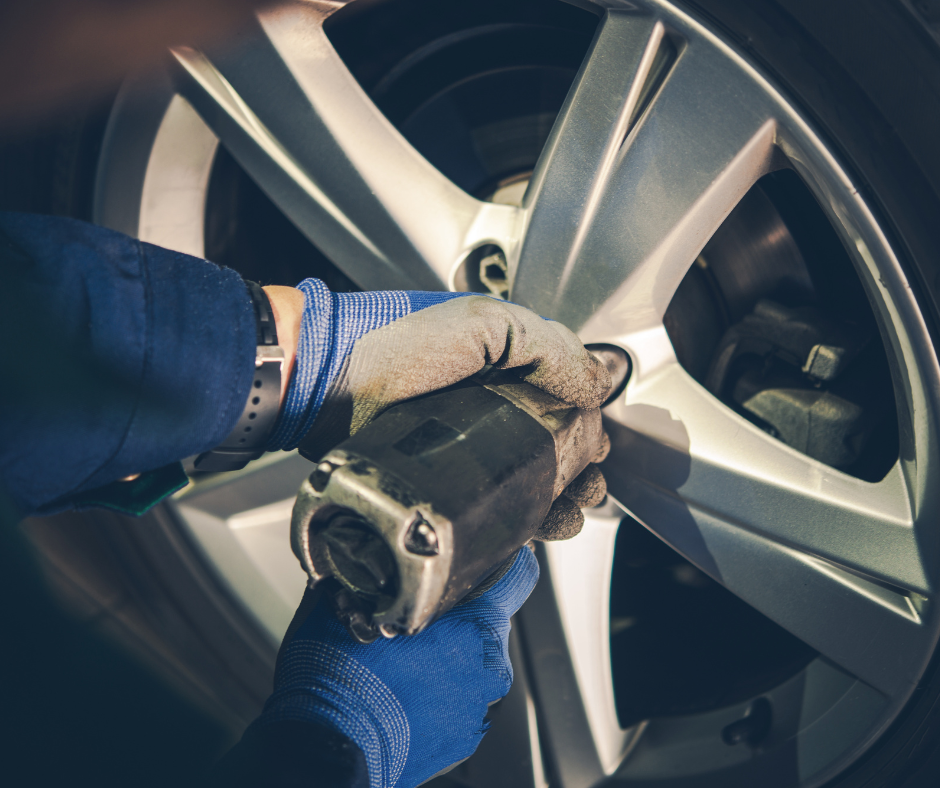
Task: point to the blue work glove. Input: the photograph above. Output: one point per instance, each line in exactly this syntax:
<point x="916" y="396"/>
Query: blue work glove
<point x="415" y="705"/>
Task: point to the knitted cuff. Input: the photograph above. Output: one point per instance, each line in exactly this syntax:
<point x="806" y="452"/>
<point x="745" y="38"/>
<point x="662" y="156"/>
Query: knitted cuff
<point x="330" y="326"/>
<point x="319" y="683"/>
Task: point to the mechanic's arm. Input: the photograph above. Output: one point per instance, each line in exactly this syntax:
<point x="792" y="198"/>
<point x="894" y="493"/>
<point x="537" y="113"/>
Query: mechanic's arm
<point x="119" y="358"/>
<point x="391" y="713"/>
<point x="132" y="357"/>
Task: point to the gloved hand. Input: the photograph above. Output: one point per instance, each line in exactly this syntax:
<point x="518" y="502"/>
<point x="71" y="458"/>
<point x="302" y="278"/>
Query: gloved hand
<point x="360" y="353"/>
<point x="414" y="705"/>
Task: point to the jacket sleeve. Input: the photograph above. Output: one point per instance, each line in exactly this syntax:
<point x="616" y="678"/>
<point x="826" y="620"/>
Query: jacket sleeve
<point x="291" y="754"/>
<point x="119" y="358"/>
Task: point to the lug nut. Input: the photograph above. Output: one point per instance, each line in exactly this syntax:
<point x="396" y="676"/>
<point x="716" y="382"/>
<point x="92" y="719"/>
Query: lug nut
<point x="494" y="273"/>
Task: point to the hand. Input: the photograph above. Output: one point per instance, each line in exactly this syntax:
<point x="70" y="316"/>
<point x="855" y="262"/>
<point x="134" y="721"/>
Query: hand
<point x="360" y="353"/>
<point x="414" y="705"/>
<point x="565" y="519"/>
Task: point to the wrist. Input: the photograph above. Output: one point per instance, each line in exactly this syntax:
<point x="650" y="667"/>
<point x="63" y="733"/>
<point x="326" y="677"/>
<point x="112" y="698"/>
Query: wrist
<point x="248" y="438"/>
<point x="287" y="304"/>
<point x="319" y="684"/>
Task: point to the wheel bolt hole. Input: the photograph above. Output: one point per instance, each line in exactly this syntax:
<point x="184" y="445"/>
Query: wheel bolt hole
<point x="752" y="728"/>
<point x="484" y="270"/>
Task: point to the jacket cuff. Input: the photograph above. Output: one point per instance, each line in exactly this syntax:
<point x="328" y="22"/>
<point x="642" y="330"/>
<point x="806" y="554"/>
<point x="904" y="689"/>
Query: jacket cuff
<point x="290" y="753"/>
<point x="128" y="357"/>
<point x="199" y="362"/>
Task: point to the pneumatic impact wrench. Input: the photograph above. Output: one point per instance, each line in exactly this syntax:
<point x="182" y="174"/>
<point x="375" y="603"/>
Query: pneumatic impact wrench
<point x="433" y="498"/>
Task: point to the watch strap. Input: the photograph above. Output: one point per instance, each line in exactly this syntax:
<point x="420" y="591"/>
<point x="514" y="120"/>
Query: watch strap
<point x="248" y="438"/>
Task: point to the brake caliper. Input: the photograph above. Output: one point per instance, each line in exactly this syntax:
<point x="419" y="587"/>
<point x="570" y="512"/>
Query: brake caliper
<point x="801" y="376"/>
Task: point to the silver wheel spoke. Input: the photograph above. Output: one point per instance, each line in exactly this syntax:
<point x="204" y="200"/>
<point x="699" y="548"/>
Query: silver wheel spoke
<point x="626" y="195"/>
<point x="833" y="559"/>
<point x="580" y="574"/>
<point x="269" y="480"/>
<point x="289" y="111"/>
<point x="241" y="520"/>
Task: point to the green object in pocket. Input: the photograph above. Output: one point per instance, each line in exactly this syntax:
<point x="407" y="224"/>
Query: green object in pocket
<point x="138" y="496"/>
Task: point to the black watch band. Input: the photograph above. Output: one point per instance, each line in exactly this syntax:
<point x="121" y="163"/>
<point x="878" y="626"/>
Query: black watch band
<point x="247" y="440"/>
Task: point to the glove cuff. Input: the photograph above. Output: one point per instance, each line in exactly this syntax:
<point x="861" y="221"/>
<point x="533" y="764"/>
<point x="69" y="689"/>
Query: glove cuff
<point x="330" y="326"/>
<point x="313" y="354"/>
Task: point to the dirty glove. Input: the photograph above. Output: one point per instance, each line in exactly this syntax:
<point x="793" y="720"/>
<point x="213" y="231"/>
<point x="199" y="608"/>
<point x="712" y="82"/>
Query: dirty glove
<point x="360" y="353"/>
<point x="414" y="705"/>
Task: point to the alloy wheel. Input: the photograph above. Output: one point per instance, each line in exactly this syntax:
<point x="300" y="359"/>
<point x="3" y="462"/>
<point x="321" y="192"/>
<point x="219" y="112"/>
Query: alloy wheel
<point x="664" y="132"/>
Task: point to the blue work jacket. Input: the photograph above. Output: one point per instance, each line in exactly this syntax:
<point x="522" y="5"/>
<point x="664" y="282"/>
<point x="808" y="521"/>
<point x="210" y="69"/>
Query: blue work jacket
<point x="122" y="358"/>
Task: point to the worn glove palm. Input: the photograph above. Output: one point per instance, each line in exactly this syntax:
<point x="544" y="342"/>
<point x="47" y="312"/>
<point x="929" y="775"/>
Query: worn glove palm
<point x="360" y="353"/>
<point x="414" y="705"/>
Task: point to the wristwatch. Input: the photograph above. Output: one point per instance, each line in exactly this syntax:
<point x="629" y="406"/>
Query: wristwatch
<point x="247" y="440"/>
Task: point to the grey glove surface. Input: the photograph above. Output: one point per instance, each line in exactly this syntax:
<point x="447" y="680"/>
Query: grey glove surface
<point x="443" y="344"/>
<point x="565" y="518"/>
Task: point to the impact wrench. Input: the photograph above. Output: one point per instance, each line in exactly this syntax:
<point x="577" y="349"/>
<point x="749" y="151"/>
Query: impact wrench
<point x="429" y="503"/>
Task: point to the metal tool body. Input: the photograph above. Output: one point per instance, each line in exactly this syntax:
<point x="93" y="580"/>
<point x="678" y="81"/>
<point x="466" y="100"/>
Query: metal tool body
<point x="419" y="507"/>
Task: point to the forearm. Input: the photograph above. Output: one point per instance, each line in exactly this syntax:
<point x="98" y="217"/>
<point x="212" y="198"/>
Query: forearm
<point x="287" y="303"/>
<point x="122" y="357"/>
